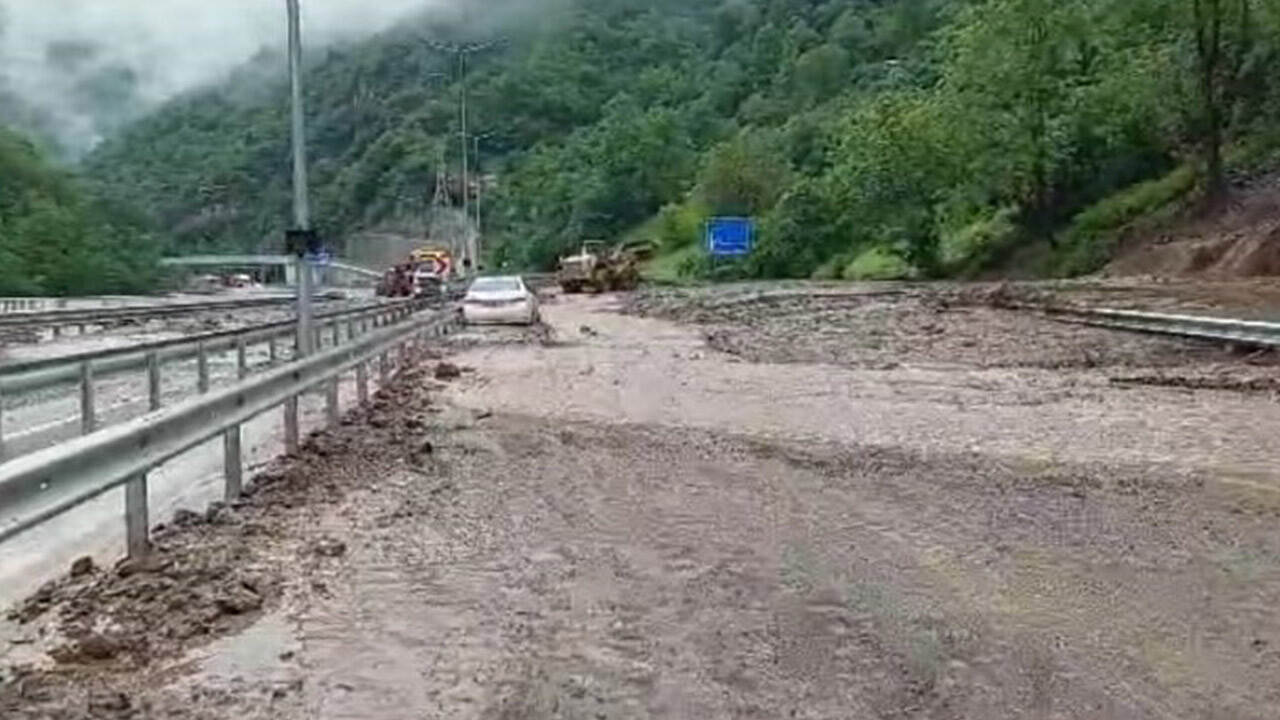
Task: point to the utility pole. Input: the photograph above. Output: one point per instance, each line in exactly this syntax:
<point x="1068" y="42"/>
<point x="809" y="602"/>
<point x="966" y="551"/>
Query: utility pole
<point x="471" y="262"/>
<point x="301" y="237"/>
<point x="441" y="202"/>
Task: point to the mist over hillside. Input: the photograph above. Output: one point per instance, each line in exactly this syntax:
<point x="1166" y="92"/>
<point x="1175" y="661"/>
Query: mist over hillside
<point x="75" y="71"/>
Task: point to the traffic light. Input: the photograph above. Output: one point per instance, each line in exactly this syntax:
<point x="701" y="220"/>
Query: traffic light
<point x="303" y="243"/>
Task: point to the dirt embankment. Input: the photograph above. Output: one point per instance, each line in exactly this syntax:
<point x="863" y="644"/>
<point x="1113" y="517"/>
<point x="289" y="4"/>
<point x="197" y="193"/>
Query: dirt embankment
<point x="1241" y="240"/>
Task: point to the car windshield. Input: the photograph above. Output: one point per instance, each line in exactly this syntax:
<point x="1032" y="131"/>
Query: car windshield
<point x="496" y="285"/>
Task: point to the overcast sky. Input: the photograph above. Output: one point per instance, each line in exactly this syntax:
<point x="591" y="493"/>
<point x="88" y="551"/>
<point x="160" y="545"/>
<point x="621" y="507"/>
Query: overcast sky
<point x="172" y="45"/>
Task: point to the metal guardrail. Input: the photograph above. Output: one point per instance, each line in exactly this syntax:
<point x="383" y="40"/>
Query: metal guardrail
<point x="355" y="270"/>
<point x="27" y="375"/>
<point x="63" y="318"/>
<point x="46" y="484"/>
<point x="86" y="369"/>
<point x="1240" y="332"/>
<point x="12" y="305"/>
<point x="47" y="302"/>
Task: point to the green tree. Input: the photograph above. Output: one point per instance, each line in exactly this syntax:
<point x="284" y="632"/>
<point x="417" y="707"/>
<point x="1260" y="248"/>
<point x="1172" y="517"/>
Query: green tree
<point x="821" y="73"/>
<point x="745" y="175"/>
<point x="57" y="238"/>
<point x="898" y="165"/>
<point x="1224" y="33"/>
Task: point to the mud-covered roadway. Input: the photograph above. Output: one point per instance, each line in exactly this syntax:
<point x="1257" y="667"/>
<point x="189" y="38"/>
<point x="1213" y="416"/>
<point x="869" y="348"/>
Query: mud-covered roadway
<point x="711" y="505"/>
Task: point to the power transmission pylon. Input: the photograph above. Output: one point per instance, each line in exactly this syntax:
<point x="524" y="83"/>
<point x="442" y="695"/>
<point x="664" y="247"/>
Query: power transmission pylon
<point x="442" y="207"/>
<point x="461" y="53"/>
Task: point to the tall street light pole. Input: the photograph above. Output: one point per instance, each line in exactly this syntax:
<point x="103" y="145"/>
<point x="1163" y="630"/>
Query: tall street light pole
<point x="302" y="236"/>
<point x="471" y="261"/>
<point x="479" y="192"/>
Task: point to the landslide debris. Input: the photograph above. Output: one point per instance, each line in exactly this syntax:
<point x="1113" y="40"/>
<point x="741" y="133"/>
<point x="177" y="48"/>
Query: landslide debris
<point x="209" y="574"/>
<point x="987" y="326"/>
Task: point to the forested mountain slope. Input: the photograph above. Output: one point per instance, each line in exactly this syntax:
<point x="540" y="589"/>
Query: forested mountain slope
<point x="867" y="136"/>
<point x="56" y="237"/>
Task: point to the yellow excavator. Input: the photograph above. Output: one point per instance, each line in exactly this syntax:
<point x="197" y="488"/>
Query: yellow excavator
<point x="595" y="269"/>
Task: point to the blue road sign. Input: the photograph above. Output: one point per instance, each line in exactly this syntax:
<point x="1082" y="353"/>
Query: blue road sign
<point x="730" y="236"/>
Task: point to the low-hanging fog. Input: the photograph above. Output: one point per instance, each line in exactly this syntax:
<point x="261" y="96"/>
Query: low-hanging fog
<point x="73" y="70"/>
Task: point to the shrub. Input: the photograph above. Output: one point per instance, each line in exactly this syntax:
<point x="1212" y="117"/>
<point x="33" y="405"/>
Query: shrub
<point x="1088" y="242"/>
<point x="877" y="263"/>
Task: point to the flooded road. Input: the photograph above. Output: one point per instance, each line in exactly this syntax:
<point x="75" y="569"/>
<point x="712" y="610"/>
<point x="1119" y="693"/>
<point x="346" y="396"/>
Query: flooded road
<point x="616" y="520"/>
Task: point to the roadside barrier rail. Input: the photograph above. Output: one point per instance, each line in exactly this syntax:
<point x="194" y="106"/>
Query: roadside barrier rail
<point x="58" y="319"/>
<point x="13" y="305"/>
<point x="48" y="483"/>
<point x="1251" y="333"/>
<point x="88" y="369"/>
<point x="38" y="303"/>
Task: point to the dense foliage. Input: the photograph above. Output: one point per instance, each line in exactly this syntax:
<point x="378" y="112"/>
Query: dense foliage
<point x="58" y="238"/>
<point x="869" y="137"/>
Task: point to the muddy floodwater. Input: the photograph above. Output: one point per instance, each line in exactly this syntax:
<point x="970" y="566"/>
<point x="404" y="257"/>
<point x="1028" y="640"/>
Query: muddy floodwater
<point x="672" y="506"/>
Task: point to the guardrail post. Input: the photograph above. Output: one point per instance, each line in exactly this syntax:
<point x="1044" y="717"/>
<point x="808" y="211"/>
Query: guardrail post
<point x="291" y="425"/>
<point x="273" y="351"/>
<point x="202" y="368"/>
<point x="153" y="380"/>
<point x="57" y="331"/>
<point x="233" y="463"/>
<point x="316" y="339"/>
<point x="88" y="417"/>
<point x="137" y="517"/>
<point x="362" y="387"/>
<point x="2" y="451"/>
<point x="351" y="330"/>
<point x="384" y="369"/>
<point x="337" y="334"/>
<point x="332" y="406"/>
<point x="242" y="358"/>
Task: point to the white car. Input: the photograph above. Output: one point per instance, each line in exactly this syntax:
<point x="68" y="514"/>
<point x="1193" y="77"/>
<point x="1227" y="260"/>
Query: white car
<point x="505" y="300"/>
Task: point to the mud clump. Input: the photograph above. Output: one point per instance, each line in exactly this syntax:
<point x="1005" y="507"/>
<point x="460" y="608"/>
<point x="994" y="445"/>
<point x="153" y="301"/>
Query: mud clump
<point x="110" y="702"/>
<point x="329" y="548"/>
<point x="1001" y="295"/>
<point x="183" y="590"/>
<point x="447" y="371"/>
<point x="238" y="598"/>
<point x="95" y="647"/>
<point x="83" y="567"/>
